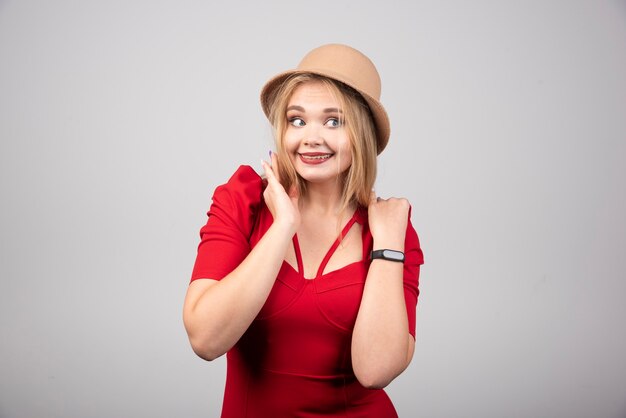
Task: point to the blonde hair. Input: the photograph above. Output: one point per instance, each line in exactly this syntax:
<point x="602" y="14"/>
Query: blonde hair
<point x="358" y="180"/>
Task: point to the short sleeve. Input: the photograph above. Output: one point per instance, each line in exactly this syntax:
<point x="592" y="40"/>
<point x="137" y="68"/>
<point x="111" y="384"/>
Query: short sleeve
<point x="224" y="240"/>
<point x="413" y="259"/>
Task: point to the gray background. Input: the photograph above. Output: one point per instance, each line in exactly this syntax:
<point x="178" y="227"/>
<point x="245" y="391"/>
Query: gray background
<point x="118" y="119"/>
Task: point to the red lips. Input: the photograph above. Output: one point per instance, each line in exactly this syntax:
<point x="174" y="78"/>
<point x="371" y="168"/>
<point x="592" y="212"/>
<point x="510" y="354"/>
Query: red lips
<point x="314" y="158"/>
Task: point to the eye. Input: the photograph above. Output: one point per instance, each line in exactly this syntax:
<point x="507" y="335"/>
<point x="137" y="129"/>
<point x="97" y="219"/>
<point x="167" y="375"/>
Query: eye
<point x="333" y="123"/>
<point x="298" y="122"/>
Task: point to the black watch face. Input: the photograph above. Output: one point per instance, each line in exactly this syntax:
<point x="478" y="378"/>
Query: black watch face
<point x="393" y="255"/>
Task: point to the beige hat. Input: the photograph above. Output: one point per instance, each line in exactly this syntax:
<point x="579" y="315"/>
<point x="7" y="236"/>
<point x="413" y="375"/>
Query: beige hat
<point x="344" y="64"/>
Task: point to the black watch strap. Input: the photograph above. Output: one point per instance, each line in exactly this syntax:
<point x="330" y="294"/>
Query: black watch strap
<point x="390" y="255"/>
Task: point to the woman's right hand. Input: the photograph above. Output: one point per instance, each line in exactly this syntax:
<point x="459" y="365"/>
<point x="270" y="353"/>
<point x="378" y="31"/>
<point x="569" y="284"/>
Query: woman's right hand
<point x="282" y="205"/>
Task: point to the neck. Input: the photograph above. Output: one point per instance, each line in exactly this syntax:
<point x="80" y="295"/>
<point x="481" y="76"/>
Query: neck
<point x="323" y="198"/>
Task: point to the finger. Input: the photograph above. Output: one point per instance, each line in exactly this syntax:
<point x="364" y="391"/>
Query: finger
<point x="293" y="192"/>
<point x="274" y="158"/>
<point x="269" y="173"/>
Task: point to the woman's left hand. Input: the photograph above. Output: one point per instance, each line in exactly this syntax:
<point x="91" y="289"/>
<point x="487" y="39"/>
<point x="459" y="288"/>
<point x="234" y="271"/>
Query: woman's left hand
<point x="387" y="220"/>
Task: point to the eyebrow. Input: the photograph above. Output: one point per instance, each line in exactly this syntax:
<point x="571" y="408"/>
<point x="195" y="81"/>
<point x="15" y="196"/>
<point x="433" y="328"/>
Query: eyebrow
<point x="327" y="110"/>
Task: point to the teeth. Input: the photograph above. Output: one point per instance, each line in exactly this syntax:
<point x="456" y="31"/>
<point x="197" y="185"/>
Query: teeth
<point x="317" y="157"/>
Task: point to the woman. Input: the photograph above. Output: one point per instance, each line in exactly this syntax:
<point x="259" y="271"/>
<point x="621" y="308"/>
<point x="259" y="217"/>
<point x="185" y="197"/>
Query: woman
<point x="309" y="281"/>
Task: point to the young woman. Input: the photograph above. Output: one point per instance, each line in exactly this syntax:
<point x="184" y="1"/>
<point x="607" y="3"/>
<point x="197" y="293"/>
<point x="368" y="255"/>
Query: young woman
<point x="306" y="279"/>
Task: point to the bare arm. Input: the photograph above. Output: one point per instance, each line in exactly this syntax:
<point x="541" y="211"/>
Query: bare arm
<point x="382" y="347"/>
<point x="217" y="313"/>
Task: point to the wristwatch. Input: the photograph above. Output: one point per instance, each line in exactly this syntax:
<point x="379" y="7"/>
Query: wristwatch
<point x="391" y="255"/>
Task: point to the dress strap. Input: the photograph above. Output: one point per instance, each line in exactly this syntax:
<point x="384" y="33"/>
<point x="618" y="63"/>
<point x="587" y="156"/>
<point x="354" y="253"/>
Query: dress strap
<point x="332" y="249"/>
<point x="296" y="248"/>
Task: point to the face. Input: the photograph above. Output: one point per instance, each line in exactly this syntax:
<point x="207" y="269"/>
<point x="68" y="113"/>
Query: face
<point x="316" y="139"/>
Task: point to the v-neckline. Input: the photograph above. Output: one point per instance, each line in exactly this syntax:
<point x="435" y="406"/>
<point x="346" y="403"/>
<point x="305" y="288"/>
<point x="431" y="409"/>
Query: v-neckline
<point x="329" y="253"/>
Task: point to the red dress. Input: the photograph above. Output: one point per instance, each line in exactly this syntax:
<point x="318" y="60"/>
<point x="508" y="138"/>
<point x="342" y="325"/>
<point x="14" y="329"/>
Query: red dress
<point x="294" y="360"/>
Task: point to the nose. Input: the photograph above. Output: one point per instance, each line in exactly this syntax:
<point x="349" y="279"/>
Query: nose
<point x="313" y="136"/>
<point x="312" y="141"/>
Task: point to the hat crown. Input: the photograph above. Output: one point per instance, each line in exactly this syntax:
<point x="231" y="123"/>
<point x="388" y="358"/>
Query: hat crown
<point x="345" y="64"/>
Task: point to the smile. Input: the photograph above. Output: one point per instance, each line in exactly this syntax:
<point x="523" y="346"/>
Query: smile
<point x="314" y="157"/>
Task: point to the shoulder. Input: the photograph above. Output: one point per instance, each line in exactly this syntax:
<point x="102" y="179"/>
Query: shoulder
<point x="243" y="179"/>
<point x="239" y="198"/>
<point x="412" y="243"/>
<point x="245" y="186"/>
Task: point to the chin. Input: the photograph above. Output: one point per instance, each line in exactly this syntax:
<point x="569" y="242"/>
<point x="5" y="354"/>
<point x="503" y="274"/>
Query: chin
<point x="318" y="175"/>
